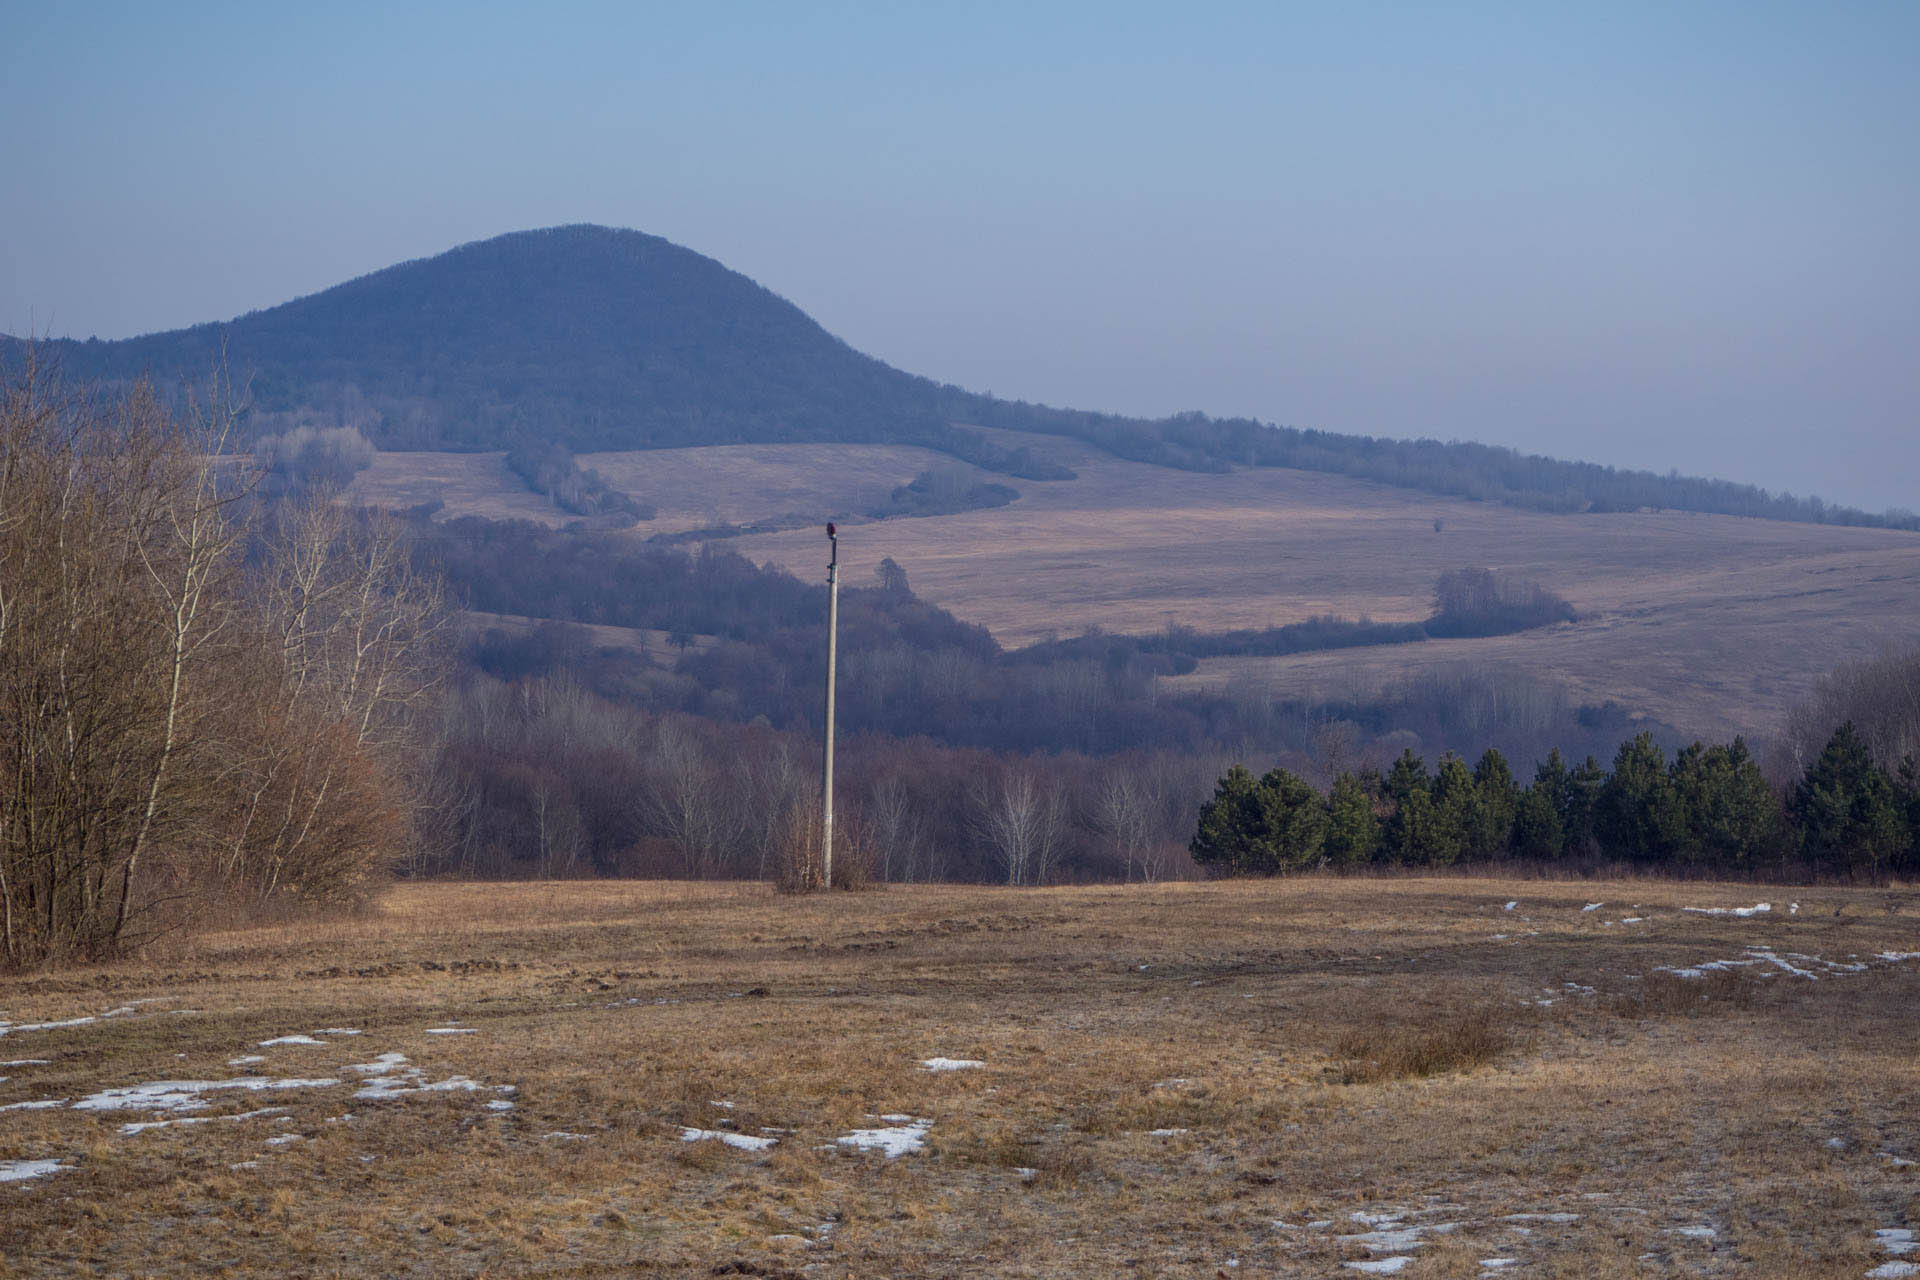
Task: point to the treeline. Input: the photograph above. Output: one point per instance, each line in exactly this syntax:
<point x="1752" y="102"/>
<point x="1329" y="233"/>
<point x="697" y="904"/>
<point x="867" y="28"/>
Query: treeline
<point x="1710" y="810"/>
<point x="207" y="707"/>
<point x="543" y="778"/>
<point x="1466" y="602"/>
<point x="909" y="668"/>
<point x="600" y="339"/>
<point x="550" y="469"/>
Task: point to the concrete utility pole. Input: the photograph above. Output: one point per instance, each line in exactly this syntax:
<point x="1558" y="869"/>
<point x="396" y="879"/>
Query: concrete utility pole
<point x="826" y="762"/>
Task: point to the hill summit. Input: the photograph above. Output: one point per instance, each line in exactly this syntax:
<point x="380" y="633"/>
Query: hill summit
<point x="594" y="338"/>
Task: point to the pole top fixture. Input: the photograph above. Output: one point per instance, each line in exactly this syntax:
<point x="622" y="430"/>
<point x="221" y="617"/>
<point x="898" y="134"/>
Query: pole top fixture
<point x="830" y="530"/>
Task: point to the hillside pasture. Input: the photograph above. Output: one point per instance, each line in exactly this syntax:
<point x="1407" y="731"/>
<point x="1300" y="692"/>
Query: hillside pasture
<point x="1277" y="1078"/>
<point x="1714" y="623"/>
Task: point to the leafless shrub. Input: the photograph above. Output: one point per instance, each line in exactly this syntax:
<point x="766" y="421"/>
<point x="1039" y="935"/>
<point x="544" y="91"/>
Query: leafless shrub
<point x="179" y="736"/>
<point x="1454" y="1039"/>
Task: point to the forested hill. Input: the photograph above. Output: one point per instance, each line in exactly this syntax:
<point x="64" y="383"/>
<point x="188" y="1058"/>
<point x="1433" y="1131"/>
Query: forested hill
<point x="595" y="339"/>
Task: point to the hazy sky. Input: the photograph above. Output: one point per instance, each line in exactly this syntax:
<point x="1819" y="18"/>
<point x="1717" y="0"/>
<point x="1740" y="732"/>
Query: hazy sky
<point x="1659" y="235"/>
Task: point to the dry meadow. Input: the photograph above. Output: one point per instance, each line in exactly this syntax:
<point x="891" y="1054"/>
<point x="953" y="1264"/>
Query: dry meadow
<point x="1306" y="1077"/>
<point x="1717" y="624"/>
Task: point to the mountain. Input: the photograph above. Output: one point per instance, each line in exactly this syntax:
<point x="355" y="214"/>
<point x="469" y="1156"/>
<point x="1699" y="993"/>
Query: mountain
<point x="593" y="338"/>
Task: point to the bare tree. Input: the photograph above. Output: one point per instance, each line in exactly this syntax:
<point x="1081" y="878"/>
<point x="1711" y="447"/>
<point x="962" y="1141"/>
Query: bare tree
<point x="1022" y="821"/>
<point x="1123" y="815"/>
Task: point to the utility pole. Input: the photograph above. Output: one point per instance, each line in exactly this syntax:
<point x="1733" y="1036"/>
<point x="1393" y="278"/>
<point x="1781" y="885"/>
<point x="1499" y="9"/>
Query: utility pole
<point x="826" y="761"/>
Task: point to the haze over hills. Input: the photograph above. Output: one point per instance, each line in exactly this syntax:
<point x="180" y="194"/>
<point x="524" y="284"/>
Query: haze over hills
<point x="600" y="339"/>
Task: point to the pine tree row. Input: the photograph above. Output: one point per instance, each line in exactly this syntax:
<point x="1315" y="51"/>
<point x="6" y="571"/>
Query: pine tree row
<point x="1708" y="809"/>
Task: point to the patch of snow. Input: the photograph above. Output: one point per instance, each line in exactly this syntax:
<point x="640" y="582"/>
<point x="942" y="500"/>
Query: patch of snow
<point x="726" y="1106"/>
<point x="282" y="1139"/>
<point x="38" y="1104"/>
<point x="951" y="1064"/>
<point x="1380" y="1219"/>
<point x="183" y="1095"/>
<point x="1894" y="1240"/>
<point x="499" y="1104"/>
<point x="246" y="1060"/>
<point x="1495" y="1264"/>
<point x="412" y="1080"/>
<point x="1593" y="906"/>
<point x="453" y="1031"/>
<point x="743" y="1141"/>
<point x="28" y="1062"/>
<point x="21" y="1170"/>
<point x="1542" y="1217"/>
<point x="1379" y="1266"/>
<point x="899" y="1140"/>
<point x="1633" y="919"/>
<point x="1836" y="1144"/>
<point x="1896" y="1162"/>
<point x="562" y="1135"/>
<point x="1696" y="1233"/>
<point x="141" y="1126"/>
<point x="1757" y="909"/>
<point x="245" y="1164"/>
<point x="1387" y="1239"/>
<point x="10" y="1028"/>
<point x="1894" y="1270"/>
<point x="381" y="1065"/>
<point x="1165" y="1133"/>
<point x="1891" y="957"/>
<point x="339" y="1031"/>
<point x="268" y="1044"/>
<point x="1511" y="905"/>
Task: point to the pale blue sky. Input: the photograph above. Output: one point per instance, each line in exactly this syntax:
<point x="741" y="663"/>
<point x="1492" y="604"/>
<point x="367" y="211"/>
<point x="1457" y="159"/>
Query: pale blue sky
<point x="1659" y="235"/>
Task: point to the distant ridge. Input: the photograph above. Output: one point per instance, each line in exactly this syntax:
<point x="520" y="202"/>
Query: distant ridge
<point x="594" y="338"/>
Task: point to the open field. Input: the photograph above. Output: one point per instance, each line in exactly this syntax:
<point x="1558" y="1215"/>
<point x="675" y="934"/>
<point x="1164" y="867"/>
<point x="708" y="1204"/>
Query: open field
<point x="1715" y="623"/>
<point x="1277" y="1078"/>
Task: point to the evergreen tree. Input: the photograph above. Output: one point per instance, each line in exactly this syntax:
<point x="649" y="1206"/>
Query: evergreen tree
<point x="1353" y="832"/>
<point x="1536" y="819"/>
<point x="1579" y="805"/>
<point x="1499" y="798"/>
<point x="1406" y="790"/>
<point x="1230" y="838"/>
<point x="1639" y="815"/>
<point x="1294" y="821"/>
<point x="1849" y="817"/>
<point x="1732" y="817"/>
<point x="1456" y="813"/>
<point x="1908" y="785"/>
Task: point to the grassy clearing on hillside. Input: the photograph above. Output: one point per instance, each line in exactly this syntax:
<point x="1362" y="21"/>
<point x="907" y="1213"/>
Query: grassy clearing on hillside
<point x="1715" y="623"/>
<point x="1167" y="1085"/>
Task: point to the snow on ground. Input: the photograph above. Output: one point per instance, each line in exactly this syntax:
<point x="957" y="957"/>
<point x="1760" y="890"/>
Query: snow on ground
<point x="453" y="1031"/>
<point x="185" y="1095"/>
<point x="1380" y="1266"/>
<point x="8" y="1028"/>
<point x="1894" y="1270"/>
<point x="1757" y="909"/>
<point x="1797" y="963"/>
<point x="742" y="1141"/>
<point x="38" y="1104"/>
<point x="905" y="1135"/>
<point x="1593" y="906"/>
<point x="27" y="1062"/>
<point x="951" y="1064"/>
<point x="268" y="1044"/>
<point x="21" y="1170"/>
<point x="141" y="1126"/>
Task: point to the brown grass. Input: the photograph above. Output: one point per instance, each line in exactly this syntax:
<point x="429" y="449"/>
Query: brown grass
<point x="1456" y="1039"/>
<point x="1715" y="623"/>
<point x="1168" y="1077"/>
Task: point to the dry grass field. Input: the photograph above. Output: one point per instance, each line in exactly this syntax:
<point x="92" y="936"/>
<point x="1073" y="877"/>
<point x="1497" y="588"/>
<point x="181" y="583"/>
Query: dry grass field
<point x="1311" y="1077"/>
<point x="1714" y="623"/>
